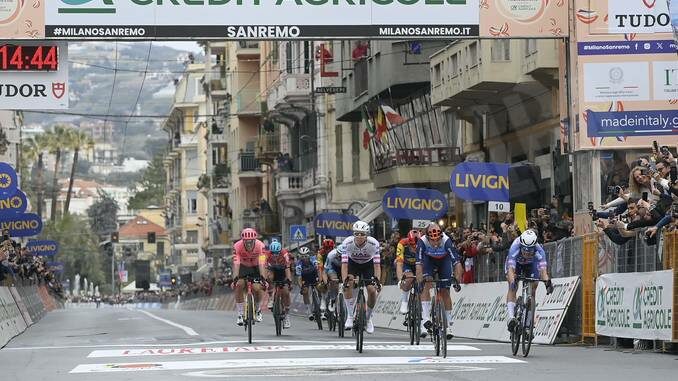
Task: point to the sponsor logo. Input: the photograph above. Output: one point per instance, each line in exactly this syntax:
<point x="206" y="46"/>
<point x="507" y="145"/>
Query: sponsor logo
<point x="9" y="10"/>
<point x="92" y="6"/>
<point x="58" y="89"/>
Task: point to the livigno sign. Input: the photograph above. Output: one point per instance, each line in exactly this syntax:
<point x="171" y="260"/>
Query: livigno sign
<point x="260" y="19"/>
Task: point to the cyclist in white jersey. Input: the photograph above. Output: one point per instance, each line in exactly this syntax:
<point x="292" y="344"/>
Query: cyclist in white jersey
<point x="360" y="257"/>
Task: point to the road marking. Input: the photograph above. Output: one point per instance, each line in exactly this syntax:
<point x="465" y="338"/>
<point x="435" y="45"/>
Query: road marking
<point x="290" y="363"/>
<point x="341" y="371"/>
<point x="217" y="342"/>
<point x="268" y="348"/>
<point x="189" y="331"/>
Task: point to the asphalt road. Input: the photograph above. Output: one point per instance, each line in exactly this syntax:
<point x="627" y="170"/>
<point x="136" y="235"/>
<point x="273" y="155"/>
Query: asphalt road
<point x="126" y="344"/>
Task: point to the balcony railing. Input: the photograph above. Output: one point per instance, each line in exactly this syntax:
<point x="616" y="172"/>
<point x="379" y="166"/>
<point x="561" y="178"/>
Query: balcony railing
<point x="291" y="87"/>
<point x="268" y="146"/>
<point x="222" y="176"/>
<point x="248" y="102"/>
<point x="265" y="223"/>
<point x="418" y="156"/>
<point x="248" y="162"/>
<point x="289" y="182"/>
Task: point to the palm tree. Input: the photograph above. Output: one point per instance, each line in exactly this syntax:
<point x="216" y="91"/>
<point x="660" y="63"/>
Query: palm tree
<point x="29" y="153"/>
<point x="58" y="139"/>
<point x="41" y="144"/>
<point x="78" y="140"/>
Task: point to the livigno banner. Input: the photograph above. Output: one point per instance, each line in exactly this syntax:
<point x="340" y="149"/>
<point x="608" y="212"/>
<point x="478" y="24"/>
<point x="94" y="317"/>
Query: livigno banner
<point x="635" y="305"/>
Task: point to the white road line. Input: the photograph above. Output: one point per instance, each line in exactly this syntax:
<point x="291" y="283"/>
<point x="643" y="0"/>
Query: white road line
<point x="219" y="342"/>
<point x="189" y="331"/>
<point x="337" y="372"/>
<point x="291" y="363"/>
<point x="164" y="352"/>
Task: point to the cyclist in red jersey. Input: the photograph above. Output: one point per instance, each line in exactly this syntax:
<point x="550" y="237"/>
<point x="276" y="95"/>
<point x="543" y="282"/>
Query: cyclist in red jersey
<point x="249" y="260"/>
<point x="278" y="270"/>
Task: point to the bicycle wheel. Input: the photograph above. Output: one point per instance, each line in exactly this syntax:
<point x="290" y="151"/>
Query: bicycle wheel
<point x="330" y="315"/>
<point x="435" y="333"/>
<point x="341" y="314"/>
<point x="410" y="318"/>
<point x="278" y="314"/>
<point x="529" y="325"/>
<point x="250" y="317"/>
<point x="442" y="329"/>
<point x="516" y="332"/>
<point x="417" y="318"/>
<point x="316" y="308"/>
<point x="359" y="322"/>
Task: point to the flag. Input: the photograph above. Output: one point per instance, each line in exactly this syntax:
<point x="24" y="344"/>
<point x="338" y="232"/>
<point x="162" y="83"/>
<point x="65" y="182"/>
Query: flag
<point x="382" y="128"/>
<point x="392" y="116"/>
<point x="366" y="139"/>
<point x="368" y="121"/>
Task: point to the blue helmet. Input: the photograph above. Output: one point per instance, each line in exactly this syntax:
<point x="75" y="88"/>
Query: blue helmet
<point x="275" y="247"/>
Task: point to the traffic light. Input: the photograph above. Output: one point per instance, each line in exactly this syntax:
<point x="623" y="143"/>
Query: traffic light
<point x="150" y="237"/>
<point x="115" y="237"/>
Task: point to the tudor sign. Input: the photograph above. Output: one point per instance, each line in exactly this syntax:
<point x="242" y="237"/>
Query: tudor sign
<point x="34" y="76"/>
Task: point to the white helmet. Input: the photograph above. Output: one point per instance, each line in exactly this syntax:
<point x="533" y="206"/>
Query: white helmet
<point x="361" y="227"/>
<point x="528" y="239"/>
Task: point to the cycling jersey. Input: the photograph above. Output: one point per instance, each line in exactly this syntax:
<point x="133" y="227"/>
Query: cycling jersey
<point x="246" y="258"/>
<point x="304" y="267"/>
<point x="333" y="262"/>
<point x="517" y="256"/>
<point x="368" y="252"/>
<point x="278" y="262"/>
<point x="405" y="253"/>
<point x="321" y="256"/>
<point x="446" y="249"/>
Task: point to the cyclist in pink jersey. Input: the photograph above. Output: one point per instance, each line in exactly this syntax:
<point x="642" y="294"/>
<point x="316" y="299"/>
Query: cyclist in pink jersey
<point x="249" y="261"/>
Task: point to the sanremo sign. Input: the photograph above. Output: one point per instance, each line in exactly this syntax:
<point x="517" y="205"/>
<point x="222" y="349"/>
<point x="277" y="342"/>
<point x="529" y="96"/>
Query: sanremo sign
<point x="260" y="19"/>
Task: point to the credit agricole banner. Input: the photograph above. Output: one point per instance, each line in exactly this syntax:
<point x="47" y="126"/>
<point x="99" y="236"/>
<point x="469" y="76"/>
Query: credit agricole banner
<point x="281" y="19"/>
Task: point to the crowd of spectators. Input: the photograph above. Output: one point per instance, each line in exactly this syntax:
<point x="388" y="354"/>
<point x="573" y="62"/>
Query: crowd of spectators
<point x="642" y="202"/>
<point x="18" y="265"/>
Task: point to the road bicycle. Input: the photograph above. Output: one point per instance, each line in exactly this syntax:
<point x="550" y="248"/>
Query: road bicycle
<point x="330" y="314"/>
<point x="342" y="314"/>
<point x="525" y="307"/>
<point x="250" y="307"/>
<point x="315" y="304"/>
<point x="278" y="307"/>
<point x="360" y="312"/>
<point x="438" y="319"/>
<point x="413" y="316"/>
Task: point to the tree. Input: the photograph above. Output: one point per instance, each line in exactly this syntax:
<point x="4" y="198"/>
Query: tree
<point x="152" y="186"/>
<point x="78" y="140"/>
<point x="103" y="214"/>
<point x="29" y="154"/>
<point x="38" y="184"/>
<point x="57" y="140"/>
<point x="78" y="248"/>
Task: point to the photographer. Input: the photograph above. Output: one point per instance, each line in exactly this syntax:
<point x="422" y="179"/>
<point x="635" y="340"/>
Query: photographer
<point x="667" y="219"/>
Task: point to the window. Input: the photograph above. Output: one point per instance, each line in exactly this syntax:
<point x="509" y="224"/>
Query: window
<point x="160" y="249"/>
<point x="360" y="77"/>
<point x="275" y="52"/>
<point x="501" y="50"/>
<point x="192" y="163"/>
<point x="355" y="150"/>
<point x="191" y="236"/>
<point x="455" y="65"/>
<point x="472" y="55"/>
<point x="288" y="58"/>
<point x="436" y="75"/>
<point x="530" y="46"/>
<point x="192" y="201"/>
<point x="339" y="153"/>
<point x="307" y="57"/>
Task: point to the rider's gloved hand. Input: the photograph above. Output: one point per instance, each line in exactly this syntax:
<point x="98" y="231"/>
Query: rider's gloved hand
<point x="549" y="287"/>
<point x="455" y="285"/>
<point x="377" y="283"/>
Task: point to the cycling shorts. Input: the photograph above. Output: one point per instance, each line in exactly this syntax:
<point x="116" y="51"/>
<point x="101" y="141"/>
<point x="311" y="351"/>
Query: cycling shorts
<point x="278" y="273"/>
<point x="443" y="266"/>
<point x="361" y="270"/>
<point x="310" y="275"/>
<point x="249" y="272"/>
<point x="408" y="268"/>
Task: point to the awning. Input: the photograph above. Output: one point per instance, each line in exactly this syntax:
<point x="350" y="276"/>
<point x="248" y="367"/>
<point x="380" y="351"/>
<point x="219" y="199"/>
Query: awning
<point x="374" y="214"/>
<point x="367" y="209"/>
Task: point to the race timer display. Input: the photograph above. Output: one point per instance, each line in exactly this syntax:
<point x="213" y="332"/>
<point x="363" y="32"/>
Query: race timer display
<point x="29" y="57"/>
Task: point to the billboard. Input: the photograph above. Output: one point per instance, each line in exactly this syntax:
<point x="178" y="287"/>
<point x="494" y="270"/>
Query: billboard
<point x="36" y="76"/>
<point x="334" y="224"/>
<point x="481" y="181"/>
<point x="22" y="19"/>
<point x="414" y="204"/>
<point x="531" y="18"/>
<point x="626" y="92"/>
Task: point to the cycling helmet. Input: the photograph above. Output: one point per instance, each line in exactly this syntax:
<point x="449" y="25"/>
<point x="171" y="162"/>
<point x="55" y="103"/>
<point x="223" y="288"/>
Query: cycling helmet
<point x="328" y="244"/>
<point x="361" y="227"/>
<point x="413" y="236"/>
<point x="304" y="251"/>
<point x="275" y="247"/>
<point x="528" y="239"/>
<point x="433" y="231"/>
<point x="248" y="233"/>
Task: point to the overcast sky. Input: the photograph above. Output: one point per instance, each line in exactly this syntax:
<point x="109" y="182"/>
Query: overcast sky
<point x="190" y="46"/>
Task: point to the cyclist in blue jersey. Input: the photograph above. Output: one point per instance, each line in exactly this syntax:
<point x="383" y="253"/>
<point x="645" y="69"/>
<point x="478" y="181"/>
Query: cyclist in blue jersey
<point x="306" y="270"/>
<point x="436" y="253"/>
<point x="526" y="257"/>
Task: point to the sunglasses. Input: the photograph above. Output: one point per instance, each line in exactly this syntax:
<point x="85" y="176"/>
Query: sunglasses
<point x="357" y="234"/>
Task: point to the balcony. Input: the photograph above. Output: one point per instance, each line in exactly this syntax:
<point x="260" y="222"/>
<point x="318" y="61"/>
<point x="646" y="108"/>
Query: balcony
<point x="248" y="102"/>
<point x="410" y="166"/>
<point x="541" y="58"/>
<point x="265" y="223"/>
<point x="268" y="147"/>
<point x="249" y="165"/>
<point x="465" y="73"/>
<point x="290" y="88"/>
<point x="220" y="231"/>
<point x="247" y="49"/>
<point x="218" y="83"/>
<point x="289" y="186"/>
<point x="222" y="177"/>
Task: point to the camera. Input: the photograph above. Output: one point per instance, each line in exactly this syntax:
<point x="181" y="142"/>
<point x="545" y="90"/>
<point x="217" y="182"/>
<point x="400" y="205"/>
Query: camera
<point x="664" y="150"/>
<point x="614" y="189"/>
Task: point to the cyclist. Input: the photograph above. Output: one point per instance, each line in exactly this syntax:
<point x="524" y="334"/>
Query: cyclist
<point x="360" y="257"/>
<point x="332" y="272"/>
<point x="249" y="260"/>
<point x="306" y="270"/>
<point x="325" y="248"/>
<point x="437" y="252"/>
<point x="406" y="259"/>
<point x="528" y="258"/>
<point x="278" y="270"/>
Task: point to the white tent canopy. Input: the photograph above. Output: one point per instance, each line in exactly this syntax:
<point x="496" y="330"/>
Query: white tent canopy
<point x="132" y="288"/>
